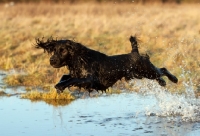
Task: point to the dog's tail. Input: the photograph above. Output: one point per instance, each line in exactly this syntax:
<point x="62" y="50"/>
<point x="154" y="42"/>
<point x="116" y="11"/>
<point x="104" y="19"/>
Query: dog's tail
<point x="134" y="44"/>
<point x="134" y="53"/>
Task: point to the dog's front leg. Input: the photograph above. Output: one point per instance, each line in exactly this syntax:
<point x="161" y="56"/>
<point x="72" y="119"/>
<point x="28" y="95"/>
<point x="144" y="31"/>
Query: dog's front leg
<point x="64" y="78"/>
<point x="161" y="81"/>
<point x="59" y="86"/>
<point x="81" y="82"/>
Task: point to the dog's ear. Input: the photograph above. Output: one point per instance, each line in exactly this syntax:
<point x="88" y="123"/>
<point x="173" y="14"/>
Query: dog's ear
<point x="40" y="44"/>
<point x="47" y="45"/>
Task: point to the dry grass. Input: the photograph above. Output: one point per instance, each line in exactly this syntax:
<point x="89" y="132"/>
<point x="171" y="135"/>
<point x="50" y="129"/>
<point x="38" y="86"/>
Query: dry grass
<point x="51" y="97"/>
<point x="170" y="34"/>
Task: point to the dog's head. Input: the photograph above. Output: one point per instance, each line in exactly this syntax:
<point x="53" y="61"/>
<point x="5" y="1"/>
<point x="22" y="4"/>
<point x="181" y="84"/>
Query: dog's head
<point x="60" y="50"/>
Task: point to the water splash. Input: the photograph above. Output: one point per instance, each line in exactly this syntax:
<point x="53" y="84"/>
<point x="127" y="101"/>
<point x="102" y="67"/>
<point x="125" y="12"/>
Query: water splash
<point x="175" y="106"/>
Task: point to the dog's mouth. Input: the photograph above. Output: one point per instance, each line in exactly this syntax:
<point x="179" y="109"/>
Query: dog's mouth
<point x="57" y="64"/>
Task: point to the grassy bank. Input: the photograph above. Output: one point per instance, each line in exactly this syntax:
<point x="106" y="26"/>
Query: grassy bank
<point x="170" y="34"/>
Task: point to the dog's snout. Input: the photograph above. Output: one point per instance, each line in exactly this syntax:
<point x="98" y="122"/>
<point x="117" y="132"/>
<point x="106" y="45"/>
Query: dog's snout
<point x="53" y="60"/>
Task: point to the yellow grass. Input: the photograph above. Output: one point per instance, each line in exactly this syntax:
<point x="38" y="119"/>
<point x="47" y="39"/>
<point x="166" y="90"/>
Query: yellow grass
<point x="51" y="97"/>
<point x="170" y="34"/>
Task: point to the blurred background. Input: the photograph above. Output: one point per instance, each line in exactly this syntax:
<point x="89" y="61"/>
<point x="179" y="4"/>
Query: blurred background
<point x="137" y="1"/>
<point x="168" y="30"/>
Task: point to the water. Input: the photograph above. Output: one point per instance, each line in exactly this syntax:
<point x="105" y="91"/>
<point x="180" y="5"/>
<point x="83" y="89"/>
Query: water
<point x="168" y="104"/>
<point x="152" y="111"/>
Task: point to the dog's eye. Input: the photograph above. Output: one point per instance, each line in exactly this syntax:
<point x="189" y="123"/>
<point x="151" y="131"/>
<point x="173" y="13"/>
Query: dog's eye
<point x="63" y="50"/>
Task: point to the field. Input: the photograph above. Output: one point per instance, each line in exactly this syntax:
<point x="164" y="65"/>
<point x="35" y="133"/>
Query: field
<point x="168" y="33"/>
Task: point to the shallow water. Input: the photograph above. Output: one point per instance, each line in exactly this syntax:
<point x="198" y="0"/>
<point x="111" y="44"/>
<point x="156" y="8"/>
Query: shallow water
<point x="151" y="111"/>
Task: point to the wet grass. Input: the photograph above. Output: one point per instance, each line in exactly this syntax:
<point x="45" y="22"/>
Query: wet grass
<point x="169" y="34"/>
<point x="50" y="97"/>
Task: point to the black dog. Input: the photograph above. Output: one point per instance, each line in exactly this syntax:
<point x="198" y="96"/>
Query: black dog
<point x="93" y="70"/>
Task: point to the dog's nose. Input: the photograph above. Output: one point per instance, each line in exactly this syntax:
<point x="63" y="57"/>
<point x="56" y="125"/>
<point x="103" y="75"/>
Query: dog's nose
<point x="52" y="61"/>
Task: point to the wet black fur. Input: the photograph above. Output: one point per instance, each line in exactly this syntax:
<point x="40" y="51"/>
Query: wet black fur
<point x="94" y="70"/>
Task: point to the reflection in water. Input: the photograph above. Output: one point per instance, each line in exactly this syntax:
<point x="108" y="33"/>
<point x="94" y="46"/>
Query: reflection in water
<point x="55" y="102"/>
<point x="58" y="102"/>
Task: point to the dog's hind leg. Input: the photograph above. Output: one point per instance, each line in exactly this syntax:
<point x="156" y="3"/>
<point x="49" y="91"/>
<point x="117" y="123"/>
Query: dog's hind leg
<point x="171" y="77"/>
<point x="161" y="81"/>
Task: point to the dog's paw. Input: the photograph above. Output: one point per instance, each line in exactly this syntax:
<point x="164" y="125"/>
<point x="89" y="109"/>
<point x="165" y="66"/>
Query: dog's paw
<point x="59" y="88"/>
<point x="161" y="81"/>
<point x="59" y="91"/>
<point x="173" y="79"/>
